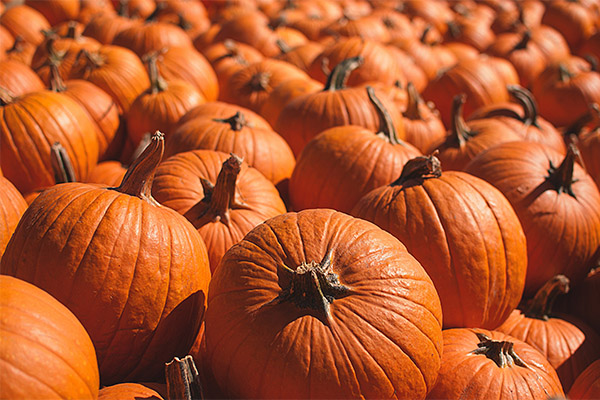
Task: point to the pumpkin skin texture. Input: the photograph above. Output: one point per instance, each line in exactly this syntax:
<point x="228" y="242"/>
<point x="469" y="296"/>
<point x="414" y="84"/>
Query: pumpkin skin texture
<point x="474" y="249"/>
<point x="224" y="213"/>
<point x="12" y="206"/>
<point x="45" y="350"/>
<point x="587" y="384"/>
<point x="128" y="391"/>
<point x="18" y="78"/>
<point x="135" y="273"/>
<point x="379" y="339"/>
<point x="465" y="374"/>
<point x="559" y="211"/>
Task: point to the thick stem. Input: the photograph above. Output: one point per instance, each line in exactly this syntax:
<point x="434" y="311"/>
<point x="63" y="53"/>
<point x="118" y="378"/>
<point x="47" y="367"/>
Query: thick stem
<point x="414" y="100"/>
<point x="6" y="97"/>
<point x="236" y="121"/>
<point x="56" y="82"/>
<point x="140" y="174"/>
<point x="72" y="31"/>
<point x="420" y="168"/>
<point x="525" y="99"/>
<point x="232" y="52"/>
<point x="540" y="307"/>
<point x="283" y="46"/>
<point x="91" y="61"/>
<point x="338" y="77"/>
<point x="61" y="164"/>
<point x="313" y="286"/>
<point x="183" y="379"/>
<point x="18" y="45"/>
<point x="524" y="42"/>
<point x="123" y="8"/>
<point x="157" y="83"/>
<point x="562" y="176"/>
<point x="564" y="75"/>
<point x="500" y="352"/>
<point x="423" y="38"/>
<point x="260" y="81"/>
<point x="183" y="22"/>
<point x="387" y="130"/>
<point x="459" y="128"/>
<point x="219" y="198"/>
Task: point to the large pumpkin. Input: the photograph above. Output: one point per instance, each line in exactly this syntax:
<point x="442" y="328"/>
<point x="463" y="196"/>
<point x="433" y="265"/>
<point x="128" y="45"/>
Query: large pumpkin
<point x="135" y="273"/>
<point x="587" y="385"/>
<point x="464" y="233"/>
<point x="45" y="351"/>
<point x="318" y="304"/>
<point x="12" y="206"/>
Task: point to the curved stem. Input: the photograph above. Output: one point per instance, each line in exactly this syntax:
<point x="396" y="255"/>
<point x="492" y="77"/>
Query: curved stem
<point x="524" y="42"/>
<point x="157" y="83"/>
<point x="338" y="77"/>
<point x="236" y="121"/>
<point x="525" y="99"/>
<point x="564" y="75"/>
<point x="72" y="31"/>
<point x="6" y="97"/>
<point x="56" y="82"/>
<point x="387" y="130"/>
<point x="18" y="45"/>
<point x="61" y="164"/>
<point x="420" y="168"/>
<point x="459" y="127"/>
<point x="92" y="61"/>
<point x="140" y="174"/>
<point x="183" y="379"/>
<point x="423" y="38"/>
<point x="540" y="306"/>
<point x="218" y="198"/>
<point x="561" y="177"/>
<point x="283" y="46"/>
<point x="500" y="352"/>
<point x="414" y="100"/>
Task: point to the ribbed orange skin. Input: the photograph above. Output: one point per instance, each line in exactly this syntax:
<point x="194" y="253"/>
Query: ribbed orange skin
<point x="56" y="11"/>
<point x="177" y="185"/>
<point x="379" y="65"/>
<point x="161" y="110"/>
<point x="219" y="109"/>
<point x="430" y="57"/>
<point x="134" y="273"/>
<point x="261" y="148"/>
<point x="305" y="117"/>
<point x="128" y="391"/>
<point x="567" y="343"/>
<point x="18" y="78"/>
<point x="121" y="74"/>
<point x="30" y="125"/>
<point x="242" y="90"/>
<point x="45" y="351"/>
<point x="187" y="64"/>
<point x="563" y="232"/>
<point x="12" y="206"/>
<point x="467" y="237"/>
<point x="152" y="36"/>
<point x="26" y="22"/>
<point x="283" y="94"/>
<point x="587" y="384"/>
<point x="106" y="25"/>
<point x="109" y="173"/>
<point x="468" y="376"/>
<point x="383" y="340"/>
<point x="341" y="165"/>
<point x="303" y="55"/>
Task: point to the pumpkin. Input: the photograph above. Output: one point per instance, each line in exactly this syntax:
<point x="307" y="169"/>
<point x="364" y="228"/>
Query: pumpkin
<point x="220" y="195"/>
<point x="152" y="36"/>
<point x="285" y="92"/>
<point x="587" y="385"/>
<point x="567" y="343"/>
<point x="108" y="173"/>
<point x="367" y="27"/>
<point x="558" y="205"/>
<point x="300" y="56"/>
<point x="46" y="352"/>
<point x="471" y="30"/>
<point x="467" y="139"/>
<point x="342" y="164"/>
<point x="18" y="78"/>
<point x="12" y="206"/>
<point x="30" y="124"/>
<point x="130" y="391"/>
<point x="56" y="11"/>
<point x="25" y="22"/>
<point x="106" y="25"/>
<point x="218" y="109"/>
<point x="20" y="51"/>
<point x="422" y="125"/>
<point x="250" y="27"/>
<point x="331" y="307"/>
<point x="135" y="273"/>
<point x="576" y="20"/>
<point x="474" y="248"/>
<point x="585" y="134"/>
<point x="481" y="364"/>
<point x="577" y="301"/>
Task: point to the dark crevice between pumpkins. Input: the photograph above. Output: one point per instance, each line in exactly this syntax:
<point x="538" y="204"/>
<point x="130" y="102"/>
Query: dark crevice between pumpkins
<point x="502" y="353"/>
<point x="561" y="177"/>
<point x="540" y="307"/>
<point x="62" y="167"/>
<point x="313" y="287"/>
<point x="219" y="198"/>
<point x="339" y="75"/>
<point x="418" y="169"/>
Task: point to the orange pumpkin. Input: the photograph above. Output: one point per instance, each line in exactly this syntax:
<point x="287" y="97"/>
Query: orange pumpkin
<point x="12" y="206"/>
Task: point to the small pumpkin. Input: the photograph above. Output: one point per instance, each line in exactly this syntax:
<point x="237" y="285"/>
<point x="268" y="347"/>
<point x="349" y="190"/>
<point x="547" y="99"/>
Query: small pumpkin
<point x="12" y="206"/>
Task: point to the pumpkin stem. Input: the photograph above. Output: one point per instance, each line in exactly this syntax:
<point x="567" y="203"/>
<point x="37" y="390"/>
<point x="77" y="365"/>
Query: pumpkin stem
<point x="157" y="10"/>
<point x="72" y="30"/>
<point x="454" y="29"/>
<point x="61" y="164"/>
<point x="387" y="130"/>
<point x="414" y="100"/>
<point x="157" y="82"/>
<point x="420" y="168"/>
<point x="236" y="121"/>
<point x="593" y="60"/>
<point x="218" y="198"/>
<point x="540" y="307"/>
<point x="140" y="174"/>
<point x="232" y="51"/>
<point x="56" y="82"/>
<point x="564" y="75"/>
<point x="183" y="379"/>
<point x="423" y="38"/>
<point x="91" y="62"/>
<point x="592" y="116"/>
<point x="260" y="81"/>
<point x="18" y="45"/>
<point x="339" y="76"/>
<point x="144" y="142"/>
<point x="562" y="176"/>
<point x="123" y="8"/>
<point x="6" y="97"/>
<point x="183" y="22"/>
<point x="283" y="46"/>
<point x="525" y="99"/>
<point x="524" y="42"/>
<point x="460" y="130"/>
<point x="313" y="286"/>
<point x="500" y="352"/>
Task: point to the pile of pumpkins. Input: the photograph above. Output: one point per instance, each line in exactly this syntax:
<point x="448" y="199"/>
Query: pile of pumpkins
<point x="312" y="198"/>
